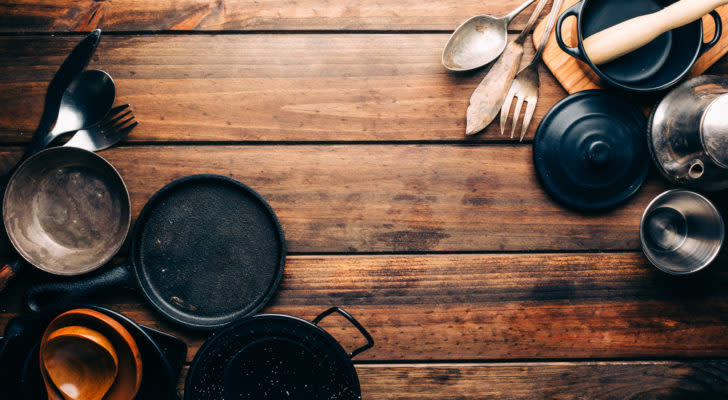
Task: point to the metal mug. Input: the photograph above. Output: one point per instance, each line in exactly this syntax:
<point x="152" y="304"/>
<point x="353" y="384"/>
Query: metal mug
<point x="681" y="232"/>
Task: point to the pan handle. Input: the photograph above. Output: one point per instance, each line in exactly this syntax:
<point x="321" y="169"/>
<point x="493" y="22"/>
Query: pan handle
<point x="7" y="272"/>
<point x="44" y="294"/>
<point x="367" y="336"/>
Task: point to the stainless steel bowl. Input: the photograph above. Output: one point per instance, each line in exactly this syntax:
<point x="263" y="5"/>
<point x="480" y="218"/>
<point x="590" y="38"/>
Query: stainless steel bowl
<point x="681" y="232"/>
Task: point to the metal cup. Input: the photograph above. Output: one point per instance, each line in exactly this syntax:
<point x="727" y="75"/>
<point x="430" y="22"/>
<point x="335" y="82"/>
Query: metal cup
<point x="681" y="232"/>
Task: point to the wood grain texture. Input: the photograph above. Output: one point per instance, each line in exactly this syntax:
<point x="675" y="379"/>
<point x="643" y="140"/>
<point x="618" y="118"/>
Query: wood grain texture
<point x="546" y="380"/>
<point x="259" y="87"/>
<point x="575" y="76"/>
<point x="380" y="198"/>
<point x="489" y="306"/>
<point x="245" y="15"/>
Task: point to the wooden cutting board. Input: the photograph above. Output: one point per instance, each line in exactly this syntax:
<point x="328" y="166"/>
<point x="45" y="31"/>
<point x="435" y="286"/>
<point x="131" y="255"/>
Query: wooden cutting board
<point x="576" y="76"/>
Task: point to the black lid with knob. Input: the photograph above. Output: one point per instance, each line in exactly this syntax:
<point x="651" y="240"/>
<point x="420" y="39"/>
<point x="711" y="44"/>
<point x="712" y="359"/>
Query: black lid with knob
<point x="590" y="150"/>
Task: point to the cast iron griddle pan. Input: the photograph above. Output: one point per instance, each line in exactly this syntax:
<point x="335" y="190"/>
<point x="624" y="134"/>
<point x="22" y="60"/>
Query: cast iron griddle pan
<point x="206" y="250"/>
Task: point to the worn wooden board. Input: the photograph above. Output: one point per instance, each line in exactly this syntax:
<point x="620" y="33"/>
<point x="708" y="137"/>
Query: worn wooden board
<point x="547" y="380"/>
<point x="488" y="306"/>
<point x="262" y="87"/>
<point x="575" y="75"/>
<point x="245" y="15"/>
<point x="384" y="198"/>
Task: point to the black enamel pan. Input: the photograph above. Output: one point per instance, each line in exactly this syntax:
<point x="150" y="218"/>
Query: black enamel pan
<point x="162" y="356"/>
<point x="206" y="250"/>
<point x="274" y="356"/>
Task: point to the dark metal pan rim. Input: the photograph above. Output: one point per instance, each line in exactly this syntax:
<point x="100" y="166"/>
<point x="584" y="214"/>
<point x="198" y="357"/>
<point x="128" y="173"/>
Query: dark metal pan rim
<point x="197" y="322"/>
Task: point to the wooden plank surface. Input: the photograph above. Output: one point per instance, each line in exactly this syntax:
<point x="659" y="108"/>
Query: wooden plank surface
<point x="381" y="198"/>
<point x="548" y="380"/>
<point x="299" y="87"/>
<point x="575" y="76"/>
<point x="489" y="306"/>
<point x="245" y="15"/>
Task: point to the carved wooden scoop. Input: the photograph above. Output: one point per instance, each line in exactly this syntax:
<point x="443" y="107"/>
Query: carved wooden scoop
<point x="81" y="362"/>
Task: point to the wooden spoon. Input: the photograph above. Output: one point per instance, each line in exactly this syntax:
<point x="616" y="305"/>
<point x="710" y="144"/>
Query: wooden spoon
<point x="129" y="375"/>
<point x="628" y="36"/>
<point x="81" y="362"/>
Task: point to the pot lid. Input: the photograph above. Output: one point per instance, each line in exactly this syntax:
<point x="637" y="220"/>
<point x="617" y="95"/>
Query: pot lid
<point x="590" y="150"/>
<point x="714" y="130"/>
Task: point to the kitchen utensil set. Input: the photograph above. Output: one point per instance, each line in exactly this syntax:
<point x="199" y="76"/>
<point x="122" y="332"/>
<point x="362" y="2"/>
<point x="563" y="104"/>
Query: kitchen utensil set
<point x="525" y="85"/>
<point x="488" y="97"/>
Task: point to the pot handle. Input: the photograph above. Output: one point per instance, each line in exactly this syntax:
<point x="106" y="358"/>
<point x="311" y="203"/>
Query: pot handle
<point x="8" y="271"/>
<point x="571" y="11"/>
<point x="38" y="296"/>
<point x="718" y="32"/>
<point x="362" y="330"/>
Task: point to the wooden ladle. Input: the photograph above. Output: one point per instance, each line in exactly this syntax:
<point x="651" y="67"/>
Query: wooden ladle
<point x="81" y="362"/>
<point x="129" y="360"/>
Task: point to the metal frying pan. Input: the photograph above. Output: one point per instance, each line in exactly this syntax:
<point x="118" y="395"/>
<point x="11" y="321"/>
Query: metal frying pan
<point x="66" y="211"/>
<point x="206" y="250"/>
<point x="273" y="356"/>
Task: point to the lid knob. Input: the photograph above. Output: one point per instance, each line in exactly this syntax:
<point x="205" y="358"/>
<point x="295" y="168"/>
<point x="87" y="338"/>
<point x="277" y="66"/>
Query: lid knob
<point x="598" y="153"/>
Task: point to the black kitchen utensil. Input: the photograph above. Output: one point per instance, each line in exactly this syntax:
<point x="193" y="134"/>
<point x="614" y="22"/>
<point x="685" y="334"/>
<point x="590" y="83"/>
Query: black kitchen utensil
<point x="590" y="150"/>
<point x="273" y="356"/>
<point x="206" y="250"/>
<point x="162" y="356"/>
<point x="656" y="66"/>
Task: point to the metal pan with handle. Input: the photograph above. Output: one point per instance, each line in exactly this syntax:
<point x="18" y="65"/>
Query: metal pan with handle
<point x="66" y="212"/>
<point x="275" y="356"/>
<point x="206" y="250"/>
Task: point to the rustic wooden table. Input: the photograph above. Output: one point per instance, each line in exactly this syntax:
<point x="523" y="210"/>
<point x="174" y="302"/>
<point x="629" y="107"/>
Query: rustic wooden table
<point x="472" y="281"/>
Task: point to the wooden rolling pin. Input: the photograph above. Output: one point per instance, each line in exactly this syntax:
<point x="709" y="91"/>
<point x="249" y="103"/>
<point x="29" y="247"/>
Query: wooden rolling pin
<point x="625" y="37"/>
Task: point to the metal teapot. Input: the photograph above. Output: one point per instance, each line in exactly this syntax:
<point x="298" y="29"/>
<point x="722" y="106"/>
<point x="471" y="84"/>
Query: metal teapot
<point x="688" y="134"/>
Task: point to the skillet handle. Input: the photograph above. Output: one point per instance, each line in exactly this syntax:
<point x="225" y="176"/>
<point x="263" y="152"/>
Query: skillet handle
<point x="362" y="330"/>
<point x="716" y="37"/>
<point x="7" y="272"/>
<point x="39" y="296"/>
<point x="574" y="11"/>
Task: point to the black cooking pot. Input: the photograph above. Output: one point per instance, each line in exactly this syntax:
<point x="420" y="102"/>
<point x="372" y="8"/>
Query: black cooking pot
<point x="656" y="66"/>
<point x="274" y="356"/>
<point x="162" y="356"/>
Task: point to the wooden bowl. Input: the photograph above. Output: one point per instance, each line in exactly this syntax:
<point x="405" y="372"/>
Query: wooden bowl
<point x="129" y="376"/>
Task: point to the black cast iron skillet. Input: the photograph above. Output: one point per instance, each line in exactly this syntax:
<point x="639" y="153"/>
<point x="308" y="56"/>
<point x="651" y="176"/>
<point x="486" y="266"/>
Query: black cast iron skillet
<point x="656" y="66"/>
<point x="206" y="250"/>
<point x="162" y="356"/>
<point x="273" y="356"/>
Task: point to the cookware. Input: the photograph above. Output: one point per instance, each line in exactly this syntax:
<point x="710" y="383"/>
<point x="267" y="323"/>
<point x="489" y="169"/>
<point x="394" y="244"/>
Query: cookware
<point x="71" y="67"/>
<point x="478" y="41"/>
<point x="162" y="355"/>
<point x="628" y="36"/>
<point x="80" y="362"/>
<point x="646" y="69"/>
<point x="85" y="102"/>
<point x="106" y="134"/>
<point x="525" y="85"/>
<point x="590" y="152"/>
<point x="66" y="211"/>
<point x="681" y="232"/>
<point x="688" y="133"/>
<point x="273" y="356"/>
<point x="490" y="94"/>
<point x="206" y="250"/>
<point x="130" y="368"/>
